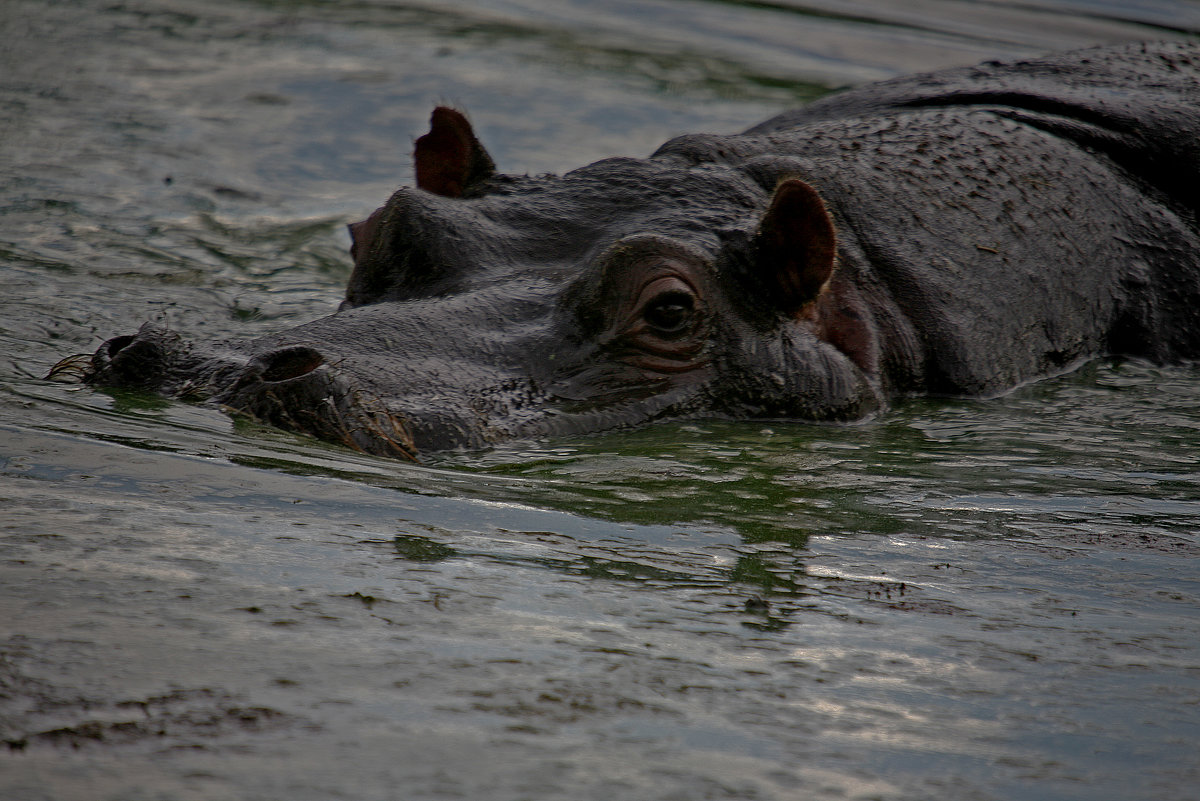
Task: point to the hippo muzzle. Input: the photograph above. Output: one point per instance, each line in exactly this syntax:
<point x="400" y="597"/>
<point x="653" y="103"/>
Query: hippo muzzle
<point x="292" y="387"/>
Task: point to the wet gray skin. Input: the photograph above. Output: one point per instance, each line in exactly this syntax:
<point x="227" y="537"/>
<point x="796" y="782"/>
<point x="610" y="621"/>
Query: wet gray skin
<point x="954" y="234"/>
<point x="470" y="322"/>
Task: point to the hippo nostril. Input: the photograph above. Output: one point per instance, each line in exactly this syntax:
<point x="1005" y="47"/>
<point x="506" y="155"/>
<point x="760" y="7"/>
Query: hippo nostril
<point x="137" y="360"/>
<point x="287" y="363"/>
<point x="117" y="344"/>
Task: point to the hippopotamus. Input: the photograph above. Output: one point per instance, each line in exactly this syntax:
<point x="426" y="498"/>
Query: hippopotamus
<point x="956" y="233"/>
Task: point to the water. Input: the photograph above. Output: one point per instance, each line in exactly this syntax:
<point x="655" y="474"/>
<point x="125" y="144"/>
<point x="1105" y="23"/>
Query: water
<point x="960" y="600"/>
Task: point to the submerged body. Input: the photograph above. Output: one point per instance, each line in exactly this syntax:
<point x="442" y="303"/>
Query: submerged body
<point x="957" y="233"/>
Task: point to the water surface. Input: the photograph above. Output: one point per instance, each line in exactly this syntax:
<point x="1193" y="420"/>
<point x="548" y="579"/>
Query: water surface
<point x="960" y="600"/>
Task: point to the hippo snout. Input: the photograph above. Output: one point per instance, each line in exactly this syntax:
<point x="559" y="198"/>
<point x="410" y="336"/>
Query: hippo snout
<point x="295" y="388"/>
<point x="159" y="360"/>
<point x="139" y="360"/>
<point x="291" y="386"/>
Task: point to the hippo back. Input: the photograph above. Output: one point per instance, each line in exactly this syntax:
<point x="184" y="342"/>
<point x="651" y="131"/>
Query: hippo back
<point x="1138" y="104"/>
<point x="966" y="191"/>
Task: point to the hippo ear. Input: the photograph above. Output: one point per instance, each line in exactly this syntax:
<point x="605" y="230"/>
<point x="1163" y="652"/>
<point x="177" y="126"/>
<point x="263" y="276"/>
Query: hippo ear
<point x="449" y="159"/>
<point x="795" y="246"/>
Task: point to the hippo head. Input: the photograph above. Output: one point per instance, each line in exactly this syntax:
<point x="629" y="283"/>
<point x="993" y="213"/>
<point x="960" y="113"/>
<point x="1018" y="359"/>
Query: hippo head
<point x="485" y="308"/>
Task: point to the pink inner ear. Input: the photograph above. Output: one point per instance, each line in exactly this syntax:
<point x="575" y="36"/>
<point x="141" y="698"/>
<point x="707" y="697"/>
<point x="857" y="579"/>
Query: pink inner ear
<point x="449" y="158"/>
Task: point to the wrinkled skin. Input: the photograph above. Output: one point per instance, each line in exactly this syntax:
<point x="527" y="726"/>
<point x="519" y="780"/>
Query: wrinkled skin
<point x="955" y="233"/>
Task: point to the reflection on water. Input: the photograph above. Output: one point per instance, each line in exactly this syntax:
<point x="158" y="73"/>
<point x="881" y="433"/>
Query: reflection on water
<point x="960" y="600"/>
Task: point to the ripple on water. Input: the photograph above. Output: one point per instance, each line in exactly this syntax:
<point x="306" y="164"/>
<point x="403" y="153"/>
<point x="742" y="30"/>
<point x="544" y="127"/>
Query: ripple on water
<point x="958" y="600"/>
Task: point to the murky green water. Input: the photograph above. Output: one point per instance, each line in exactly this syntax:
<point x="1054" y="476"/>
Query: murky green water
<point x="960" y="600"/>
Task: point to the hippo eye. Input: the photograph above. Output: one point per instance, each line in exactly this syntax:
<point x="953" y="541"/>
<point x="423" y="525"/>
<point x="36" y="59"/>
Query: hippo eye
<point x="663" y="328"/>
<point x="670" y="312"/>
